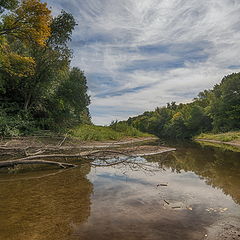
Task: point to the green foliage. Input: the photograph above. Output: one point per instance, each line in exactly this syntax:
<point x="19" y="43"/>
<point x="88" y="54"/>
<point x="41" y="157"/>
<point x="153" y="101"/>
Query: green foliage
<point x="73" y="92"/>
<point x="8" y="5"/>
<point x="126" y="130"/>
<point x="101" y="133"/>
<point x="36" y="81"/>
<point x="15" y="125"/>
<point x="61" y="29"/>
<point x="215" y="110"/>
<point x="225" y="104"/>
<point x="30" y="21"/>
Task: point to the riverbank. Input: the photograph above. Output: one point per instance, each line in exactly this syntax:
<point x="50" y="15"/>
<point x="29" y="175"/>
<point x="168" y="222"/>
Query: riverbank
<point x="65" y="142"/>
<point x="118" y="132"/>
<point x="228" y="140"/>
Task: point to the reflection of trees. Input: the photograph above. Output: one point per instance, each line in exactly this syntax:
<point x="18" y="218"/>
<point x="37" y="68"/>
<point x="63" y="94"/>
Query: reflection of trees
<point x="220" y="169"/>
<point x="45" y="208"/>
<point x="50" y="207"/>
<point x="125" y="164"/>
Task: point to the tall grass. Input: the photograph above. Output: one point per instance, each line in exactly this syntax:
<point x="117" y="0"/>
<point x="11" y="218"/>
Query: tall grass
<point x="101" y="133"/>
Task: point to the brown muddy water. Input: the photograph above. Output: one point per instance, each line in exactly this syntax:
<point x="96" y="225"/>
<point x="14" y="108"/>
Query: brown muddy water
<point x="192" y="193"/>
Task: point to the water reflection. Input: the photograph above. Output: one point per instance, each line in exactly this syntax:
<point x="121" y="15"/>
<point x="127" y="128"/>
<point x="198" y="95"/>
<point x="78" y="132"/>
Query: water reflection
<point x="128" y="202"/>
<point x="124" y="198"/>
<point x="220" y="169"/>
<point x="44" y="207"/>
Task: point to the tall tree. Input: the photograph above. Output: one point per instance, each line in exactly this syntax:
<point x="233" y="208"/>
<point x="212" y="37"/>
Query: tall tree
<point x="29" y="22"/>
<point x="36" y="82"/>
<point x="51" y="60"/>
<point x="8" y="5"/>
<point x="225" y="103"/>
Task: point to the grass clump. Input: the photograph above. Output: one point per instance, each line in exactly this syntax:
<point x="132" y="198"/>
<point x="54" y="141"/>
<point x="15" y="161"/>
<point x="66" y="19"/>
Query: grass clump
<point x="223" y="137"/>
<point x="101" y="133"/>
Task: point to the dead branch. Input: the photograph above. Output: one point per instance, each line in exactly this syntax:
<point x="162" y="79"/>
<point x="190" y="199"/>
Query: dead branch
<point x="61" y="143"/>
<point x="33" y="154"/>
<point x="89" y="154"/>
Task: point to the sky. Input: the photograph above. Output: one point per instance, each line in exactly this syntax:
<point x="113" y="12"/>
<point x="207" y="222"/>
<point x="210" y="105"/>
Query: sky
<point x="140" y="54"/>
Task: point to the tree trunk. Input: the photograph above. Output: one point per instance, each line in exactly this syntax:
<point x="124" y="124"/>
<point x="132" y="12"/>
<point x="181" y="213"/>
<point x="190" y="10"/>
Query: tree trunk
<point x="27" y="101"/>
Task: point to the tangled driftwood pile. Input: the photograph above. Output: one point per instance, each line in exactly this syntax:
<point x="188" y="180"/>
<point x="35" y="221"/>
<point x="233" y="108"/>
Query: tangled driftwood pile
<point x="59" y="152"/>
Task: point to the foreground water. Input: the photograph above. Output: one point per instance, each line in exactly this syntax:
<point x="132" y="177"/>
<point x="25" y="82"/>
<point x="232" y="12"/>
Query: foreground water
<point x="192" y="193"/>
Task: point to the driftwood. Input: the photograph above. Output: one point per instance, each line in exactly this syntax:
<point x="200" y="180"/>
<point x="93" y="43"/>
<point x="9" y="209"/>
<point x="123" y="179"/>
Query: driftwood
<point x="34" y="153"/>
<point x="33" y="159"/>
<point x="61" y="143"/>
<point x="19" y="162"/>
<point x="37" y="159"/>
<point x="90" y="154"/>
<point x="87" y="154"/>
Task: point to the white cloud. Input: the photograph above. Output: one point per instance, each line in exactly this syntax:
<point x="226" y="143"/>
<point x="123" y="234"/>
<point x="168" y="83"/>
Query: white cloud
<point x="195" y="43"/>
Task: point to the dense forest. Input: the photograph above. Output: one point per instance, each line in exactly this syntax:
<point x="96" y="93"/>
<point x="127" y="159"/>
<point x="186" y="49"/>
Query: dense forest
<point x="216" y="110"/>
<point x="38" y="88"/>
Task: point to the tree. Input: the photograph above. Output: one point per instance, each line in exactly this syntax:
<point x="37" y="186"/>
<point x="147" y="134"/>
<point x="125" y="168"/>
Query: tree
<point x="8" y="5"/>
<point x="15" y="64"/>
<point x="37" y="86"/>
<point x="52" y="61"/>
<point x="72" y="96"/>
<point x="196" y="120"/>
<point x="61" y="29"/>
<point x="225" y="104"/>
<point x="29" y="22"/>
<point x="74" y="91"/>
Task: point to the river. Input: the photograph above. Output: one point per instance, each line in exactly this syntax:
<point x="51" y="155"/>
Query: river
<point x="191" y="193"/>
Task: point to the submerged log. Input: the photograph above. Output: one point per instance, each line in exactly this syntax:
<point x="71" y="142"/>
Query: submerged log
<point x="13" y="163"/>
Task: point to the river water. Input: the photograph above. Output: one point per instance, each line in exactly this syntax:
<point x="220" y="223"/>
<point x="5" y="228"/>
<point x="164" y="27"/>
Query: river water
<point x="191" y="193"/>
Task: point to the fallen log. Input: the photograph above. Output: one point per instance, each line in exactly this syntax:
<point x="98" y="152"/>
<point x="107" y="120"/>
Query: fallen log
<point x="13" y="163"/>
<point x="89" y="154"/>
<point x="83" y="155"/>
<point x="33" y="159"/>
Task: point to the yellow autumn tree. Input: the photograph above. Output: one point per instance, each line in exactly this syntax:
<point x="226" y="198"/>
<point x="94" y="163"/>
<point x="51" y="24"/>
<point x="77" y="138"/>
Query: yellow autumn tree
<point x="15" y="64"/>
<point x="29" y="22"/>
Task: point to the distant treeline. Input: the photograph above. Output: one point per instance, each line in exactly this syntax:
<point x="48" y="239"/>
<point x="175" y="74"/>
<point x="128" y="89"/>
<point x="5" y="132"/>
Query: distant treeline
<point x="216" y="110"/>
<point x="38" y="88"/>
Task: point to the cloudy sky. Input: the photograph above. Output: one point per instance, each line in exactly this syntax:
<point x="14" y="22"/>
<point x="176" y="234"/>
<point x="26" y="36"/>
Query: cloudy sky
<point x="140" y="54"/>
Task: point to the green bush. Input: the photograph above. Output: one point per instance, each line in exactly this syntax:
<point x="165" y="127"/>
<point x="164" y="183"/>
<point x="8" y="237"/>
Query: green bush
<point x="17" y="125"/>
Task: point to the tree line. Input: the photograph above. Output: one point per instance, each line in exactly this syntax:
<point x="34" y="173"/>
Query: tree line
<point x="38" y="87"/>
<point x="215" y="110"/>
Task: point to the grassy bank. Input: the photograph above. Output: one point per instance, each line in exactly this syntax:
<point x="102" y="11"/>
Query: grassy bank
<point x="101" y="133"/>
<point x="222" y="137"/>
<point x="223" y="147"/>
<point x="225" y="141"/>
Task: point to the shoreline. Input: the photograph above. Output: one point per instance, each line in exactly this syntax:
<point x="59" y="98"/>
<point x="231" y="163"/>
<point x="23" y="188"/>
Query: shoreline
<point x="67" y="141"/>
<point x="235" y="144"/>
